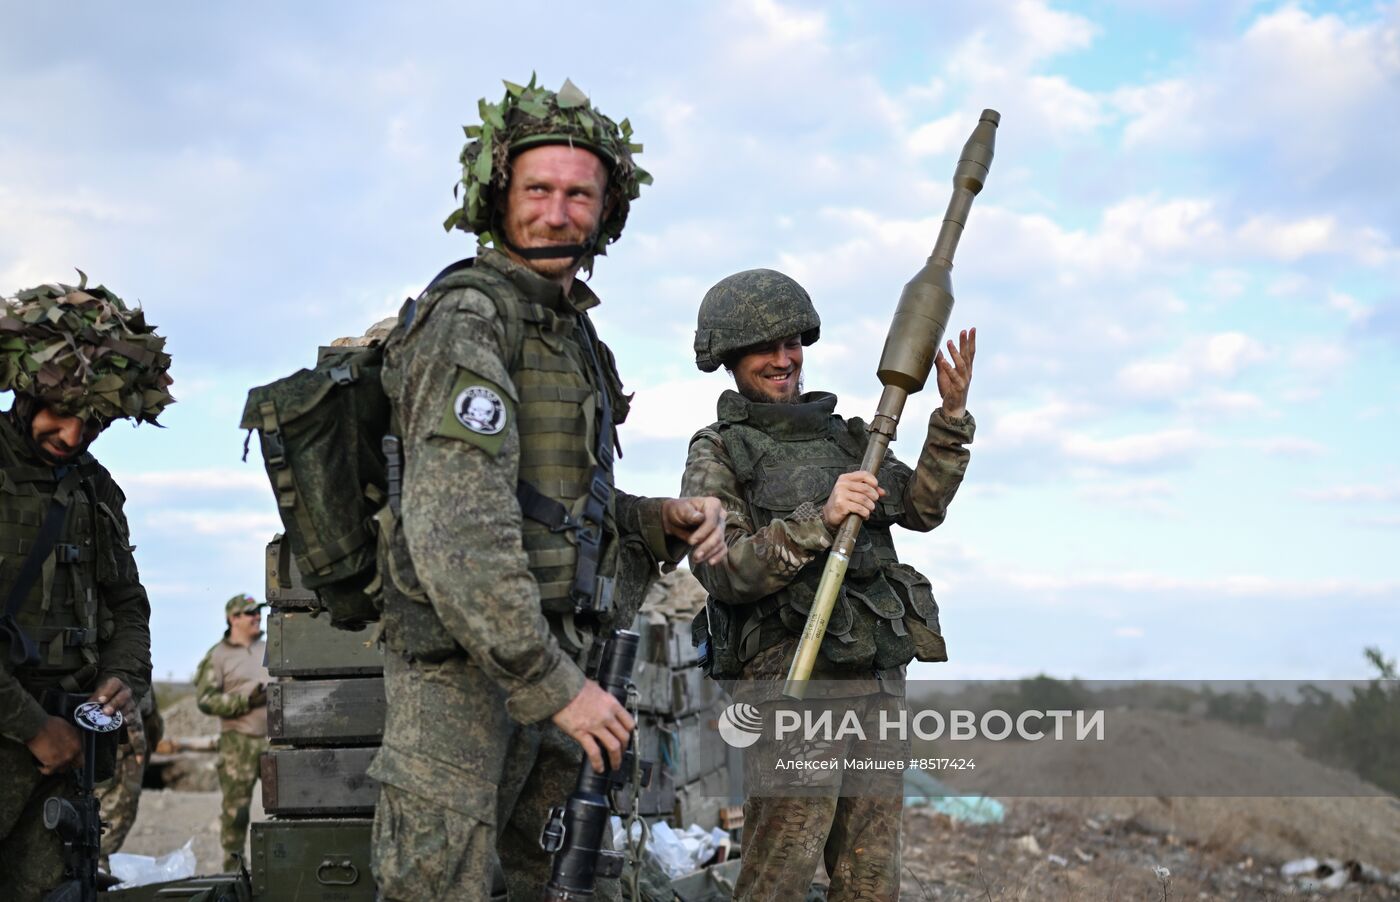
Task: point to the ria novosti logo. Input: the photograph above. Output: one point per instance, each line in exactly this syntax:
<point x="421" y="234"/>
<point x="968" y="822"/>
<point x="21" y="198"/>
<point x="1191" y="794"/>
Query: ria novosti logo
<point x="740" y="725"/>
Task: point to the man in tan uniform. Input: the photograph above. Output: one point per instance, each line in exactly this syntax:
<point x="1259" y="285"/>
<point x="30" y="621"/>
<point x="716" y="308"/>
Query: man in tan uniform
<point x="232" y="685"/>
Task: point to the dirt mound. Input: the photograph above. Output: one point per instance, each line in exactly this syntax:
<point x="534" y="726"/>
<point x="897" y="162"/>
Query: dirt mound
<point x="1202" y="781"/>
<point x="184" y="720"/>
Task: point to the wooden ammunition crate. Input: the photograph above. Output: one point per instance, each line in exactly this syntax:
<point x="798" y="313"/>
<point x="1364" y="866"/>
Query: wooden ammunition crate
<point x="346" y="711"/>
<point x="312" y="861"/>
<point x="328" y="782"/>
<point x="304" y="644"/>
<point x="700" y="802"/>
<point x="283" y="581"/>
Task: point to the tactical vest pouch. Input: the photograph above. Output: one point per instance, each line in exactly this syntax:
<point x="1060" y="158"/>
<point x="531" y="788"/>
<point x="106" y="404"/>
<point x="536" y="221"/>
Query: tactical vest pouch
<point x="411" y="625"/>
<point x="921" y="612"/>
<point x="320" y="432"/>
<point x="848" y="639"/>
<point x="716" y="624"/>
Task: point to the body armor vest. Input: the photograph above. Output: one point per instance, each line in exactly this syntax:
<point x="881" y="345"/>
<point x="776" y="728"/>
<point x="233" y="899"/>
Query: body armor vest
<point x="557" y="413"/>
<point x="788" y="455"/>
<point x="62" y="613"/>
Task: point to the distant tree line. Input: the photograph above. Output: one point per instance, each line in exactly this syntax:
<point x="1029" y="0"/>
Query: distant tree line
<point x="1360" y="733"/>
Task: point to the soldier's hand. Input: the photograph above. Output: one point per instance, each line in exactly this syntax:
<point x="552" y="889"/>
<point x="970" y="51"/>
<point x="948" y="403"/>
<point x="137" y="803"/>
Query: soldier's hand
<point x="113" y="695"/>
<point x="698" y="521"/>
<point x="258" y="697"/>
<point x="854" y="493"/>
<point x="955" y="373"/>
<point x="597" y="722"/>
<point x="57" y="745"/>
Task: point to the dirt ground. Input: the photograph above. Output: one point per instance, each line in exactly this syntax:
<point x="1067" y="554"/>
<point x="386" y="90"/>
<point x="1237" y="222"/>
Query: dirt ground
<point x="167" y="819"/>
<point x="1057" y="851"/>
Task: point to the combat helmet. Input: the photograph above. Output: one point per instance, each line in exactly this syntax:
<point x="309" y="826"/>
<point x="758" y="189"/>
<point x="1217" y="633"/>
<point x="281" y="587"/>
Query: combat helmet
<point x="749" y="308"/>
<point x="531" y="116"/>
<point x="82" y="352"/>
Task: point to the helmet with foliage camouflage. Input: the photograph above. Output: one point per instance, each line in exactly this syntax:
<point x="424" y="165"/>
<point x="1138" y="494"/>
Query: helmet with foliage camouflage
<point x="749" y="308"/>
<point x="530" y="116"/>
<point x="81" y="352"/>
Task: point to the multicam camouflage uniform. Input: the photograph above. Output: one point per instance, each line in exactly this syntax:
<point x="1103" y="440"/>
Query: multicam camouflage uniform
<point x="231" y="684"/>
<point x="492" y="386"/>
<point x="73" y="351"/>
<point x="773" y="466"/>
<point x="121" y="796"/>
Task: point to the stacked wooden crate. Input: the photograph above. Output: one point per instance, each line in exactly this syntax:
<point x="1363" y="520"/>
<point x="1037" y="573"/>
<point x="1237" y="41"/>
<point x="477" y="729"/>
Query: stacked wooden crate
<point x="696" y="776"/>
<point x="325" y="713"/>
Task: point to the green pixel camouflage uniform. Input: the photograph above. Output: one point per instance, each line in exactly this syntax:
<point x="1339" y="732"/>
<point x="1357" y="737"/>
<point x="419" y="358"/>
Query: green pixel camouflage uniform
<point x="773" y="466"/>
<point x="240" y="753"/>
<point x="481" y="642"/>
<point x="121" y="796"/>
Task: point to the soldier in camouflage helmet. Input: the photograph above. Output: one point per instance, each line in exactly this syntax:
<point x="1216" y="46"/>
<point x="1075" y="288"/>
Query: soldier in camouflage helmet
<point x="231" y="684"/>
<point x="512" y="551"/>
<point x="76" y="619"/>
<point x="785" y="465"/>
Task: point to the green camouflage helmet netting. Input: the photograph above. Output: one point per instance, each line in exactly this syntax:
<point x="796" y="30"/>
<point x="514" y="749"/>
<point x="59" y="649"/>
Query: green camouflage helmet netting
<point x="83" y="353"/>
<point x="530" y="116"/>
<point x="749" y="308"/>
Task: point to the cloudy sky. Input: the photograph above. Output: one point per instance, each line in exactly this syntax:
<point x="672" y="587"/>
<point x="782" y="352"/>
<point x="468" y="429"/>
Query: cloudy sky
<point x="1183" y="272"/>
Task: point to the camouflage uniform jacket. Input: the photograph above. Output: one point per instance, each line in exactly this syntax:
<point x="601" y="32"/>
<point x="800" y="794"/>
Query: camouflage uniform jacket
<point x="225" y="682"/>
<point x="87" y="611"/>
<point x="484" y="569"/>
<point x="766" y="558"/>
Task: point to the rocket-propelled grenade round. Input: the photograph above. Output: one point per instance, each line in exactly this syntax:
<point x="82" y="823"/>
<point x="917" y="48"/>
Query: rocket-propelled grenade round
<point x="925" y="306"/>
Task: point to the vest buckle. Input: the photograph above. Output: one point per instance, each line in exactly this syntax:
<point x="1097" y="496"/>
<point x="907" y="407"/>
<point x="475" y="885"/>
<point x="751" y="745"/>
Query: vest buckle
<point x="67" y="553"/>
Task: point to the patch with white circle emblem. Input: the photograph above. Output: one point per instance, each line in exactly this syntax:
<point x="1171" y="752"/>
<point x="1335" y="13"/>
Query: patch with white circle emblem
<point x="480" y="409"/>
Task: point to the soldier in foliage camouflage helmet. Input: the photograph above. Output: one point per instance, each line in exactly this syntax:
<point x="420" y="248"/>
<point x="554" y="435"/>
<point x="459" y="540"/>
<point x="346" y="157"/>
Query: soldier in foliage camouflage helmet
<point x="76" y="358"/>
<point x="513" y="553"/>
<point x="530" y="116"/>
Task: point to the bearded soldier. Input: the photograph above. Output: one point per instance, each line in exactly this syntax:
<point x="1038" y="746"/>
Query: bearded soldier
<point x="76" y="619"/>
<point x="231" y="684"/>
<point x="512" y="553"/>
<point x="786" y="466"/>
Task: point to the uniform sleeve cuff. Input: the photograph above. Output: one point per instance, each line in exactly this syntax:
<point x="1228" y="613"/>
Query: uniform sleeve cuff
<point x="662" y="547"/>
<point x="548" y="695"/>
<point x="28" y="721"/>
<point x="961" y="428"/>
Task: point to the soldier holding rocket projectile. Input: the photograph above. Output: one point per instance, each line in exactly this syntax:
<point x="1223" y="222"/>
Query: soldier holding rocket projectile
<point x="812" y="587"/>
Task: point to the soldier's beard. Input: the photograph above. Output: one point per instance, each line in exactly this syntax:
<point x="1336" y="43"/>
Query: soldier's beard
<point x="757" y="395"/>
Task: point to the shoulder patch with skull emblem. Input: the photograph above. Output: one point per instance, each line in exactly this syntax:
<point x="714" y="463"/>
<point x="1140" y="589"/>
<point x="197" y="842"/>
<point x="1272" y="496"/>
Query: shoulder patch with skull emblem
<point x="478" y="411"/>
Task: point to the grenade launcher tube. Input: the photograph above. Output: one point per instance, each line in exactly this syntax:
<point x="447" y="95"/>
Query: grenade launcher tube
<point x="920" y="319"/>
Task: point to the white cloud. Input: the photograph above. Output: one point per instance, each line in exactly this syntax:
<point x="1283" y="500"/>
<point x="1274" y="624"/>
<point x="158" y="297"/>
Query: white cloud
<point x="1129" y="632"/>
<point x="1286" y="446"/>
<point x="1221" y="402"/>
<point x="1146" y="448"/>
<point x="1226" y="353"/>
<point x="229" y="479"/>
<point x="223" y="524"/>
<point x="1349" y="494"/>
<point x="1155" y="378"/>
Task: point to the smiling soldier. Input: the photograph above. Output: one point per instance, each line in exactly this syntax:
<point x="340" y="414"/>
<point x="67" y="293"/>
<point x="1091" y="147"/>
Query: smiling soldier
<point x="786" y="466"/>
<point x="512" y="552"/>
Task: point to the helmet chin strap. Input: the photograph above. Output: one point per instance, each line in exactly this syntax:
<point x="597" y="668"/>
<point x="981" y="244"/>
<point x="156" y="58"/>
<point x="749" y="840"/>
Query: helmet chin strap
<point x="574" y="252"/>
